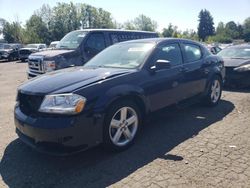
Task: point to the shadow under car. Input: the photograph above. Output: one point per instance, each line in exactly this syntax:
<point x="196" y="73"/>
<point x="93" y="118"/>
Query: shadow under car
<point x="22" y="167"/>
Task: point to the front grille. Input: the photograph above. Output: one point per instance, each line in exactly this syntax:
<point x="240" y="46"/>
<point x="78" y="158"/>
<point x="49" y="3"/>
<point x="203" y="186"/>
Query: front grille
<point x="230" y="70"/>
<point x="36" y="65"/>
<point x="54" y="148"/>
<point x="29" y="104"/>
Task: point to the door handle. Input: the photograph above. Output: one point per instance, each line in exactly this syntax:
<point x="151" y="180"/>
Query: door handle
<point x="184" y="69"/>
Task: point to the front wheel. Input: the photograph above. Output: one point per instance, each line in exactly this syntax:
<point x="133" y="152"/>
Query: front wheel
<point x="121" y="125"/>
<point x="10" y="58"/>
<point x="214" y="92"/>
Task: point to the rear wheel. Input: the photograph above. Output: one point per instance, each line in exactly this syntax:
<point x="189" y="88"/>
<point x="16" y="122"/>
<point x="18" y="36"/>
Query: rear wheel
<point x="121" y="125"/>
<point x="214" y="91"/>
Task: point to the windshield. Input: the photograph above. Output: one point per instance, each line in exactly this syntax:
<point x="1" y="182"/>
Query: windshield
<point x="125" y="55"/>
<point x="235" y="53"/>
<point x="72" y="40"/>
<point x="4" y="46"/>
<point x="31" y="46"/>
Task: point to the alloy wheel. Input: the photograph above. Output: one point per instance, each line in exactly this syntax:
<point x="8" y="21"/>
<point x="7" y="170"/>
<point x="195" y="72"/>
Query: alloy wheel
<point x="215" y="91"/>
<point x="123" y="126"/>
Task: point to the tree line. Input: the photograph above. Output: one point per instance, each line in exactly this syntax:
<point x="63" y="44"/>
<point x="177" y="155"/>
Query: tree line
<point x="52" y="23"/>
<point x="206" y="32"/>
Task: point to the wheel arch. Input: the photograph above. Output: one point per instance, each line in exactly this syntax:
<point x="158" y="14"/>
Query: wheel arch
<point x="128" y="92"/>
<point x="137" y="100"/>
<point x="215" y="73"/>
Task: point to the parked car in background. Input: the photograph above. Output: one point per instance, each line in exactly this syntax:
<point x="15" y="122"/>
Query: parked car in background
<point x="237" y="62"/>
<point x="53" y="45"/>
<point x="10" y="51"/>
<point x="222" y="46"/>
<point x="106" y="100"/>
<point x="29" y="49"/>
<point x="16" y="46"/>
<point x="77" y="47"/>
<point x="214" y="49"/>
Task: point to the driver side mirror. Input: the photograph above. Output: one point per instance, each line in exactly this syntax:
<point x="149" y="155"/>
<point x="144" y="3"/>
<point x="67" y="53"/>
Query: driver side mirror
<point x="161" y="64"/>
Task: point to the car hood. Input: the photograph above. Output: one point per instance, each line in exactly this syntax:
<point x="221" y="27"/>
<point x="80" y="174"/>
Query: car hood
<point x="52" y="53"/>
<point x="229" y="62"/>
<point x="31" y="49"/>
<point x="70" y="79"/>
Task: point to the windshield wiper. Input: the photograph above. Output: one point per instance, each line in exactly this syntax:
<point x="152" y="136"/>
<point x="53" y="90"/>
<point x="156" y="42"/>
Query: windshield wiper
<point x="63" y="46"/>
<point x="239" y="58"/>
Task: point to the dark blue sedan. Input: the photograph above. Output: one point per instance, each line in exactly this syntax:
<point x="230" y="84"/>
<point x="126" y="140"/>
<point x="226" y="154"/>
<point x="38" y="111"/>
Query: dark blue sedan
<point x="106" y="100"/>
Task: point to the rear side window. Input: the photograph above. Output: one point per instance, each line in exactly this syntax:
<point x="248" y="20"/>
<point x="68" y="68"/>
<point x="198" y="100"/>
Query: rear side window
<point x="114" y="38"/>
<point x="41" y="46"/>
<point x="192" y="52"/>
<point x="125" y="36"/>
<point x="169" y="52"/>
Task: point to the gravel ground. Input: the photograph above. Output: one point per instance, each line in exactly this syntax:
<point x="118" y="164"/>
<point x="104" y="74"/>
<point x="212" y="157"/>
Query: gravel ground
<point x="193" y="146"/>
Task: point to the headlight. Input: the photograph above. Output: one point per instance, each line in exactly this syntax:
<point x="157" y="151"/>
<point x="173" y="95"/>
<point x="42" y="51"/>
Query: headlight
<point x="63" y="104"/>
<point x="5" y="53"/>
<point x="243" y="68"/>
<point x="49" y="66"/>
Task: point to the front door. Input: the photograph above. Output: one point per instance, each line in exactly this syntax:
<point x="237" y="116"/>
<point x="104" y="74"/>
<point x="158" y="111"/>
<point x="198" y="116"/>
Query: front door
<point x="163" y="87"/>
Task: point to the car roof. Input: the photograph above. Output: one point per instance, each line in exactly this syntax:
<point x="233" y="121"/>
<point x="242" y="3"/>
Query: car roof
<point x="239" y="46"/>
<point x="117" y="30"/>
<point x="36" y="44"/>
<point x="159" y="40"/>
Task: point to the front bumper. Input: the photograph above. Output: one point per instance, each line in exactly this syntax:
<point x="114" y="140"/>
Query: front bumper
<point x="238" y="79"/>
<point x="24" y="56"/>
<point x="5" y="56"/>
<point x="32" y="74"/>
<point x="59" y="135"/>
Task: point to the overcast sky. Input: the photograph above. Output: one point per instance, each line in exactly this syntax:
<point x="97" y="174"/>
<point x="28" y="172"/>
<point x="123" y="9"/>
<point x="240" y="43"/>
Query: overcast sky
<point x="183" y="13"/>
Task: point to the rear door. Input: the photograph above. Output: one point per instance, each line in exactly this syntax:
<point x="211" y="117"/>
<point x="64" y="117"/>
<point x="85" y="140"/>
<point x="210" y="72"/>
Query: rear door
<point x="193" y="70"/>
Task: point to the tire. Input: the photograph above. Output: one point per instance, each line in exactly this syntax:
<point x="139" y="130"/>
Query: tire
<point x="213" y="95"/>
<point x="121" y="134"/>
<point x="22" y="60"/>
<point x="10" y="58"/>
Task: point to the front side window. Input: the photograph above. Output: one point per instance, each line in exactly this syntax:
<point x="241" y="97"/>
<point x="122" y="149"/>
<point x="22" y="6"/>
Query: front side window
<point x="41" y="47"/>
<point x="126" y="55"/>
<point x="94" y="44"/>
<point x="192" y="52"/>
<point x="169" y="52"/>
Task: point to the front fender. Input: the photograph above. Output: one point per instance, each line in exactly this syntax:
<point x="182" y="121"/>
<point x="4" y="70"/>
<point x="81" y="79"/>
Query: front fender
<point x="115" y="93"/>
